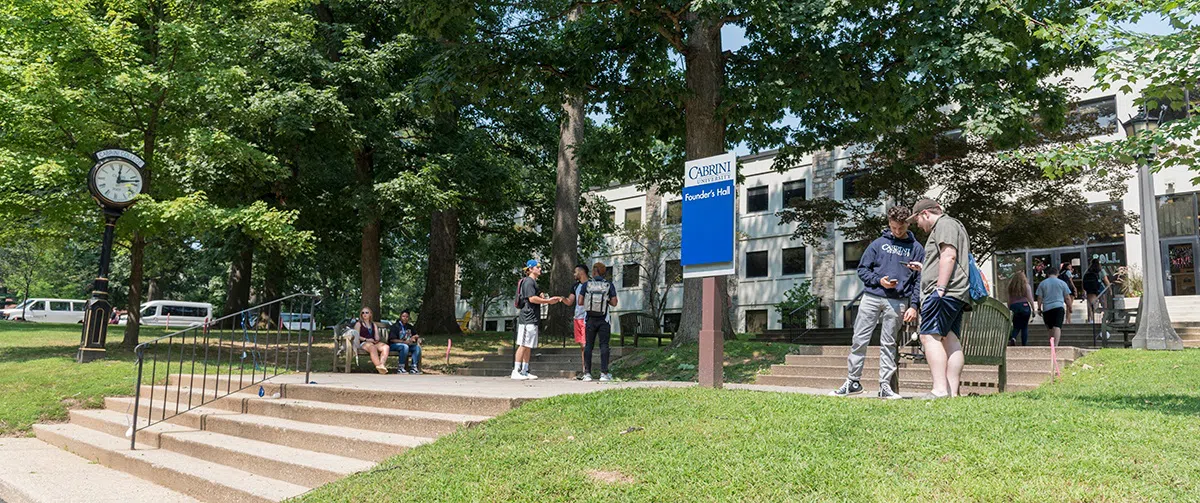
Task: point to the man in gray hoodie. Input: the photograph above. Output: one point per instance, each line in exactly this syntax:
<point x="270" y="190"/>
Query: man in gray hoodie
<point x="891" y="283"/>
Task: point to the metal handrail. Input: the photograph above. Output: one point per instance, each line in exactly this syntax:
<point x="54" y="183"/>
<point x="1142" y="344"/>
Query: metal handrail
<point x="223" y="335"/>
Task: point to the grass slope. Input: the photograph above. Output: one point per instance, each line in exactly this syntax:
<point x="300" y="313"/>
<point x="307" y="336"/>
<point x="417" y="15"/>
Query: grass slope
<point x="1125" y="427"/>
<point x="743" y="362"/>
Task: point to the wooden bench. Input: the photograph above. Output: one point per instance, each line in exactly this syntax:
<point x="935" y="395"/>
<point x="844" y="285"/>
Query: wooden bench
<point x="642" y="325"/>
<point x="345" y="347"/>
<point x="1121" y="321"/>
<point x="984" y="338"/>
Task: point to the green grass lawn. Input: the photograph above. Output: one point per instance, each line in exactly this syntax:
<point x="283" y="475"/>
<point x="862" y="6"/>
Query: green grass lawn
<point x="744" y="359"/>
<point x="1122" y="425"/>
<point x="39" y="379"/>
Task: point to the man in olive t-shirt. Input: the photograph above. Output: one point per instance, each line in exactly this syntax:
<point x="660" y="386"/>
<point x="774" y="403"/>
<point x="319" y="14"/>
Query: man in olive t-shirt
<point x="944" y="290"/>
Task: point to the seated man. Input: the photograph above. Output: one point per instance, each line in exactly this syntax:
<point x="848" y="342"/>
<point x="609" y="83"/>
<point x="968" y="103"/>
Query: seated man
<point x="405" y="342"/>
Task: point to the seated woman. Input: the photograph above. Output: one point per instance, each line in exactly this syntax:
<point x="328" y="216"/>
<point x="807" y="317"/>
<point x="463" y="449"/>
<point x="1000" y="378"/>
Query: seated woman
<point x="370" y="335"/>
<point x="405" y="342"/>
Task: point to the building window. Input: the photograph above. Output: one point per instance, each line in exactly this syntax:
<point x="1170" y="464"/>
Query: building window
<point x="794" y="261"/>
<point x="1177" y="215"/>
<point x="849" y="191"/>
<point x="794" y="192"/>
<point x="852" y="252"/>
<point x="1093" y="117"/>
<point x="613" y="217"/>
<point x="674" y="212"/>
<point x="756" y="321"/>
<point x="757" y="199"/>
<point x="633" y="218"/>
<point x="490" y="325"/>
<point x="1172" y="111"/>
<point x="674" y="272"/>
<point x="630" y="275"/>
<point x="756" y="264"/>
<point x="671" y="322"/>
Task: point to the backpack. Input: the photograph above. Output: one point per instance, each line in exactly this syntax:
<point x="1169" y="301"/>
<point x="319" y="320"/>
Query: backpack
<point x="595" y="300"/>
<point x="519" y="302"/>
<point x="977" y="287"/>
<point x="1091" y="281"/>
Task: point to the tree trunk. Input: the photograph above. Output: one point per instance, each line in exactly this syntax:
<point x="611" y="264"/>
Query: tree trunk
<point x="437" y="305"/>
<point x="237" y="287"/>
<point x="652" y="233"/>
<point x="272" y="289"/>
<point x="565" y="247"/>
<point x="705" y="137"/>
<point x="152" y="289"/>
<point x="137" y="254"/>
<point x="372" y="235"/>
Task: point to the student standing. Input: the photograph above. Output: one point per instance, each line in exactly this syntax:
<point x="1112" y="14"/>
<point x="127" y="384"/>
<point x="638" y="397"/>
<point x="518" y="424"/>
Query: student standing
<point x="1095" y="281"/>
<point x="892" y="292"/>
<point x="598" y="295"/>
<point x="529" y="301"/>
<point x="578" y="323"/>
<point x="945" y="283"/>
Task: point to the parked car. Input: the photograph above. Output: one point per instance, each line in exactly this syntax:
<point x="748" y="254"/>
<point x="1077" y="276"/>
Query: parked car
<point x="173" y="313"/>
<point x="48" y="311"/>
<point x="297" y="321"/>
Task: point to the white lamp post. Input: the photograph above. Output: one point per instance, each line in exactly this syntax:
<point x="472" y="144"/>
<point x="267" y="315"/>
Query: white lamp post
<point x="1154" y="322"/>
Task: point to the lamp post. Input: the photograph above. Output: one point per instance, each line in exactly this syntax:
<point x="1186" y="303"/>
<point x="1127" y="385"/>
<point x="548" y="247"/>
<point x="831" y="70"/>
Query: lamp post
<point x="1154" y="322"/>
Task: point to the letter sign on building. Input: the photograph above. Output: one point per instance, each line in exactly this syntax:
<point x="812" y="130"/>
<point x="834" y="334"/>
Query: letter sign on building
<point x="708" y="216"/>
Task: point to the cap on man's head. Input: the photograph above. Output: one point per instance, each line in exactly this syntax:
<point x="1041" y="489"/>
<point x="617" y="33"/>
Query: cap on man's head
<point x="923" y="204"/>
<point x="532" y="263"/>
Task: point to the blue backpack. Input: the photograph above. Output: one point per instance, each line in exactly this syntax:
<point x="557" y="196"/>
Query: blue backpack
<point x="977" y="288"/>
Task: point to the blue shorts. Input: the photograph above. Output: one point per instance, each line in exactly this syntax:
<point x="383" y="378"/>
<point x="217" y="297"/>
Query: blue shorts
<point x="941" y="315"/>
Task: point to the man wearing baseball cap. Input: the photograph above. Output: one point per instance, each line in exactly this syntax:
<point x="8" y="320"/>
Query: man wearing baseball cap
<point x="945" y="282"/>
<point x="529" y="302"/>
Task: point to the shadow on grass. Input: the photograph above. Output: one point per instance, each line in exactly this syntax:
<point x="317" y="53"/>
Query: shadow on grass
<point x="1172" y="404"/>
<point x="30" y="353"/>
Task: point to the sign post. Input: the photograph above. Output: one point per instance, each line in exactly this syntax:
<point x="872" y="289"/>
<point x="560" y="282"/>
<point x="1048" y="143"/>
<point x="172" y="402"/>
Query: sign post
<point x="707" y="249"/>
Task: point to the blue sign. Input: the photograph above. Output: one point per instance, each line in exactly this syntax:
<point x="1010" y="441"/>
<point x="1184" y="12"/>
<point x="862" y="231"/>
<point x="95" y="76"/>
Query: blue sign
<point x="708" y="216"/>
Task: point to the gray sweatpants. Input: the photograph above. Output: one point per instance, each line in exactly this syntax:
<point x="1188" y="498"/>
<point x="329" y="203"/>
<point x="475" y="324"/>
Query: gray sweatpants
<point x="870" y="311"/>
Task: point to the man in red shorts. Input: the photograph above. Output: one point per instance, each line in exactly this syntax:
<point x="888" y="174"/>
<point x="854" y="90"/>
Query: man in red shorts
<point x="579" y="324"/>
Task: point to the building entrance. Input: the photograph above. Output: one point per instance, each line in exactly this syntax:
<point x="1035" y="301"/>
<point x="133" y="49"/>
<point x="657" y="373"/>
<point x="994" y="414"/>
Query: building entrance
<point x="1179" y="260"/>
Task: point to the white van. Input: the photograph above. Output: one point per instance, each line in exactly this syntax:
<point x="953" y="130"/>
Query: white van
<point x="297" y="321"/>
<point x="48" y="311"/>
<point x="173" y="313"/>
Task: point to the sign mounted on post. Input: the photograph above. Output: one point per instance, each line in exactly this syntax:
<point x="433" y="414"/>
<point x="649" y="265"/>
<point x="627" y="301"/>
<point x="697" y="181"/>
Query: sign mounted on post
<point x="708" y="216"/>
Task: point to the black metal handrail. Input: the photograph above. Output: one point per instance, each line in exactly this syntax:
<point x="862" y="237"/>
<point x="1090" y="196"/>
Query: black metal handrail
<point x="221" y="338"/>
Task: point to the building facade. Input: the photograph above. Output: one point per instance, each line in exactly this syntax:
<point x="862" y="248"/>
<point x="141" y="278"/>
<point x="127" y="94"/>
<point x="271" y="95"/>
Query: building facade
<point x="769" y="262"/>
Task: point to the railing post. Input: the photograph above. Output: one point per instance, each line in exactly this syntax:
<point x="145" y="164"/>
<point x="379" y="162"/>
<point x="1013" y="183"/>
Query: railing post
<point x="137" y="395"/>
<point x="312" y="307"/>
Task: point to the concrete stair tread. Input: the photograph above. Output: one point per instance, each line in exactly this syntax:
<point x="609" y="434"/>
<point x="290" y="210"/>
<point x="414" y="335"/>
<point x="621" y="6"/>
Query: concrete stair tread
<point x="33" y="471"/>
<point x="161" y="460"/>
<point x="333" y="408"/>
<point x="245" y="446"/>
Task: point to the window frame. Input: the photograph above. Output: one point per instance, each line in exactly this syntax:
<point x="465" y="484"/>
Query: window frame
<point x="750" y="198"/>
<point x="766" y="263"/>
<point x="803" y="191"/>
<point x="803" y="260"/>
<point x="637" y="275"/>
<point x="846" y="266"/>
<point x="636" y="224"/>
<point x="674" y="212"/>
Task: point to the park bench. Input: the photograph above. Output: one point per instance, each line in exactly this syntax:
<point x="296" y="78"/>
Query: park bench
<point x="984" y="338"/>
<point x="642" y="325"/>
<point x="345" y="346"/>
<point x="1120" y="321"/>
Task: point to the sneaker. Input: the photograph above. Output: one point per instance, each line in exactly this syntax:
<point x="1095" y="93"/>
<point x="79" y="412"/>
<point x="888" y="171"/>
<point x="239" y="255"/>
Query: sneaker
<point x="518" y="376"/>
<point x="586" y="377"/>
<point x="415" y="370"/>
<point x="850" y="387"/>
<point x="606" y="378"/>
<point x="529" y="377"/>
<point x="886" y="393"/>
<point x="931" y="396"/>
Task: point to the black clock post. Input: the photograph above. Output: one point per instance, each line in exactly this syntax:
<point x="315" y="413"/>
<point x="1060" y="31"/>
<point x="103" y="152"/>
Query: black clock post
<point x="114" y="193"/>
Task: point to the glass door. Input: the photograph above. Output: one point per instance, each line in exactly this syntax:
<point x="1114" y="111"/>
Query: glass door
<point x="1179" y="265"/>
<point x="1074" y="260"/>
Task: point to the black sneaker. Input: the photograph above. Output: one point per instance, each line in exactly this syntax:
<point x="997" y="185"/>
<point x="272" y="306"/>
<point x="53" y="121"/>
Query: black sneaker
<point x="850" y="387"/>
<point x="886" y="393"/>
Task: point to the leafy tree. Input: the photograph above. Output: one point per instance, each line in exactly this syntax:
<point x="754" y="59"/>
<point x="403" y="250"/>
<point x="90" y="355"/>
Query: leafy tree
<point x="21" y="258"/>
<point x="798" y="304"/>
<point x="652" y="246"/>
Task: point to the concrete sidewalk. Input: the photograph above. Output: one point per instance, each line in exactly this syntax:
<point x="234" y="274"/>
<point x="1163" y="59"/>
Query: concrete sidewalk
<point x="32" y="471"/>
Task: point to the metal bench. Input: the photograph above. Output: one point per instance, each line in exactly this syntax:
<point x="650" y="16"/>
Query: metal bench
<point x="1121" y="321"/>
<point x="984" y="338"/>
<point x="642" y="325"/>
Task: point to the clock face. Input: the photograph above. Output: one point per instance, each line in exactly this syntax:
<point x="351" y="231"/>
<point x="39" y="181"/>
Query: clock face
<point x="117" y="181"/>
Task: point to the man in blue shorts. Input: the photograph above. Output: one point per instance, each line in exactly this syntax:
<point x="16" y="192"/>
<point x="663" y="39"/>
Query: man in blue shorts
<point x="945" y="282"/>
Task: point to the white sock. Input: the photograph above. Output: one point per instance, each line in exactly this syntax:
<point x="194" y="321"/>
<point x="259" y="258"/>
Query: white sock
<point x="525" y="367"/>
<point x="517" y="367"/>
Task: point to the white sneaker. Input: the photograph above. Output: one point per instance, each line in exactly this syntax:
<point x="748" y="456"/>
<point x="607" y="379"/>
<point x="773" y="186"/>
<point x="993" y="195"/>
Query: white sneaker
<point x="606" y="377"/>
<point x="586" y="378"/>
<point x="529" y="377"/>
<point x="518" y="376"/>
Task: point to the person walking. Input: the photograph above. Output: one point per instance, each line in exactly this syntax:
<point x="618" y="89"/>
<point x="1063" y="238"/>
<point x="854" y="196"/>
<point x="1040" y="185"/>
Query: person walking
<point x="891" y="293"/>
<point x="945" y="283"/>
<point x="1052" y="297"/>
<point x="1020" y="302"/>
<point x="1095" y="282"/>
<point x="529" y="301"/>
<point x="579" y="322"/>
<point x="1066" y="273"/>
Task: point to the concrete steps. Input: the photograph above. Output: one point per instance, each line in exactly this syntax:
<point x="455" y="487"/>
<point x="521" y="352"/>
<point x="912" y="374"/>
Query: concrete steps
<point x="825" y="367"/>
<point x="246" y="448"/>
<point x="546" y="363"/>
